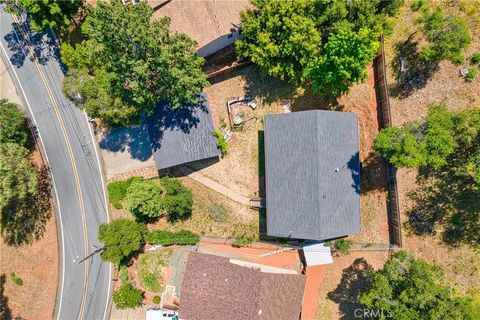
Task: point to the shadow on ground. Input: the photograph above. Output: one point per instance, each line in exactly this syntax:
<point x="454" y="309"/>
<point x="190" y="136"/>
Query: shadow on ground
<point x="353" y="283"/>
<point x="374" y="174"/>
<point x="5" y="311"/>
<point x="411" y="71"/>
<point x="447" y="201"/>
<point x="133" y="140"/>
<point x="25" y="223"/>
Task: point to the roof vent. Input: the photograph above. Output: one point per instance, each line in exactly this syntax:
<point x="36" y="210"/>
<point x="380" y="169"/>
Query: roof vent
<point x="337" y="169"/>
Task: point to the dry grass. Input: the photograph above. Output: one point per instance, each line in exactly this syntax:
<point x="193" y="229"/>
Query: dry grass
<point x="445" y="85"/>
<point x="151" y="268"/>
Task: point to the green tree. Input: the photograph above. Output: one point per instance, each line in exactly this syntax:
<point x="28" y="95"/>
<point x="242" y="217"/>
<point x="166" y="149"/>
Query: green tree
<point x="343" y="62"/>
<point x="120" y="238"/>
<point x="127" y="297"/>
<point x="400" y="147"/>
<point x="281" y="37"/>
<point x="438" y="142"/>
<point x="447" y="36"/>
<point x="18" y="177"/>
<point x="409" y="288"/>
<point x="144" y="199"/>
<point x="177" y="199"/>
<point x="128" y="62"/>
<point x="13" y="124"/>
<point x="56" y="14"/>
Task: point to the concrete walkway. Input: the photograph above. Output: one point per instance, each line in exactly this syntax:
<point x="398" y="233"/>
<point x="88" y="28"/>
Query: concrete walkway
<point x="209" y="183"/>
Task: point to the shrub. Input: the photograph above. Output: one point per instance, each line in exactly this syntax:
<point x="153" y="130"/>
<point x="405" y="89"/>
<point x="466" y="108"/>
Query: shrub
<point x="168" y="238"/>
<point x="156" y="299"/>
<point x="343" y="245"/>
<point x="242" y="240"/>
<point x="13" y="124"/>
<point x="472" y="74"/>
<point x="144" y="199"/>
<point x="177" y="199"/>
<point x="476" y="58"/>
<point x="417" y="4"/>
<point x="117" y="191"/>
<point x="222" y="145"/>
<point x="16" y="280"/>
<point x="123" y="274"/>
<point x="127" y="297"/>
<point x="218" y="213"/>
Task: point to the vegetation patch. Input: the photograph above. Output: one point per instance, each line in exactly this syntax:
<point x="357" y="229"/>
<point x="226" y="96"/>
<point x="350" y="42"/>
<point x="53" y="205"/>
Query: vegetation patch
<point x="16" y="279"/>
<point x="218" y="213"/>
<point x="168" y="238"/>
<point x="117" y="191"/>
<point x="127" y="297"/>
<point x="150" y="269"/>
<point x="222" y="144"/>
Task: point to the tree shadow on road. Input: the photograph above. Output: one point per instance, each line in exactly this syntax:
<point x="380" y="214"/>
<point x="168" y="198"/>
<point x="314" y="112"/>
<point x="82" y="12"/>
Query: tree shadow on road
<point x="353" y="283"/>
<point x="25" y="223"/>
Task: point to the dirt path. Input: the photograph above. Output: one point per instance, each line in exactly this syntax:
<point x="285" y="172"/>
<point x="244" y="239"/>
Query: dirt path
<point x="209" y="183"/>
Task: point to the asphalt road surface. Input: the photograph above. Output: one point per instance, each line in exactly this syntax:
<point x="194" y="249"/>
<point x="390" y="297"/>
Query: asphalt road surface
<point x="33" y="62"/>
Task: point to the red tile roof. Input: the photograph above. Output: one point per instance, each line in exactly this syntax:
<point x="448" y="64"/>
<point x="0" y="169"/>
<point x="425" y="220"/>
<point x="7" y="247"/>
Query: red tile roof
<point x="213" y="288"/>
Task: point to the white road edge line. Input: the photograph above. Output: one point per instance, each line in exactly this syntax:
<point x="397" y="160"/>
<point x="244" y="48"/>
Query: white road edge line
<point x="106" y="206"/>
<point x="53" y="179"/>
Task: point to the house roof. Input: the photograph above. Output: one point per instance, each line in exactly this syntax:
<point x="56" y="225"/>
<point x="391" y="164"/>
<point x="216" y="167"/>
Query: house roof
<point x="312" y="173"/>
<point x="213" y="288"/>
<point x="203" y="20"/>
<point x="181" y="135"/>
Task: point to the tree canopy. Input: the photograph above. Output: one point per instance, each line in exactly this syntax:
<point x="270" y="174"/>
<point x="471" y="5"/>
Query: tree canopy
<point x="148" y="199"/>
<point x="428" y="144"/>
<point x="127" y="297"/>
<point x="56" y="14"/>
<point x="18" y="177"/>
<point x="120" y="238"/>
<point x="447" y="36"/>
<point x="409" y="288"/>
<point x="326" y="42"/>
<point x="345" y="55"/>
<point x="13" y="125"/>
<point x="128" y="62"/>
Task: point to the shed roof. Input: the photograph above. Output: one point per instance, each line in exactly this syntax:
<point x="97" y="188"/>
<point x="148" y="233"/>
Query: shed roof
<point x="181" y="135"/>
<point x="312" y="173"/>
<point x="213" y="288"/>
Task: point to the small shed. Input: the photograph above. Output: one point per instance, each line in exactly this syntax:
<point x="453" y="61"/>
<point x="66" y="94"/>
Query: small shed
<point x="182" y="135"/>
<point x="312" y="175"/>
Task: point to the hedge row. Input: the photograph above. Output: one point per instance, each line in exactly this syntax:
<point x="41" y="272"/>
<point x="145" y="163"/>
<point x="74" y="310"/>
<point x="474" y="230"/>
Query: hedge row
<point x="168" y="238"/>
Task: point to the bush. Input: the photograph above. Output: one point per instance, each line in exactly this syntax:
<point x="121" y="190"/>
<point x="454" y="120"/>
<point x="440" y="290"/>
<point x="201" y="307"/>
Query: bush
<point x="123" y="274"/>
<point x="16" y="280"/>
<point x="117" y="191"/>
<point x="417" y="4"/>
<point x="156" y="299"/>
<point x="218" y="213"/>
<point x="222" y="145"/>
<point x="13" y="124"/>
<point x="144" y="199"/>
<point x="242" y="240"/>
<point x="472" y="74"/>
<point x="127" y="297"/>
<point x="476" y="58"/>
<point x="177" y="200"/>
<point x="168" y="238"/>
<point x="343" y="246"/>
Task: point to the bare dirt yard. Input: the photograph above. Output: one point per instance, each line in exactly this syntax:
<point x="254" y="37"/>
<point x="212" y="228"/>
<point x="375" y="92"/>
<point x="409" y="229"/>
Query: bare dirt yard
<point x="410" y="102"/>
<point x="34" y="260"/>
<point x="242" y="168"/>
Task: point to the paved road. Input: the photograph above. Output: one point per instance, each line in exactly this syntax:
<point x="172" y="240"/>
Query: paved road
<point x="83" y="291"/>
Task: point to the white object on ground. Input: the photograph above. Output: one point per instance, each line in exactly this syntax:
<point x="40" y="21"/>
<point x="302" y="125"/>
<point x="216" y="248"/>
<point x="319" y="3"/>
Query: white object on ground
<point x="161" y="314"/>
<point x="317" y="254"/>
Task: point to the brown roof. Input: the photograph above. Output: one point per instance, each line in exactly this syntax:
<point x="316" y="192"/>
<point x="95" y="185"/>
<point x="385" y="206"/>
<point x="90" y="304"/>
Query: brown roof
<point x="213" y="288"/>
<point x="203" y="20"/>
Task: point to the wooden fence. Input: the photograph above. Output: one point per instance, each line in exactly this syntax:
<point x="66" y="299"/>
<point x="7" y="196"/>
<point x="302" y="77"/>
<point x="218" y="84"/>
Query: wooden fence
<point x="383" y="102"/>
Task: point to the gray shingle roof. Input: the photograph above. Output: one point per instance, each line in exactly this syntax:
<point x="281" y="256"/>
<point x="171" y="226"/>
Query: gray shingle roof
<point x="181" y="135"/>
<point x="215" y="289"/>
<point x="312" y="173"/>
